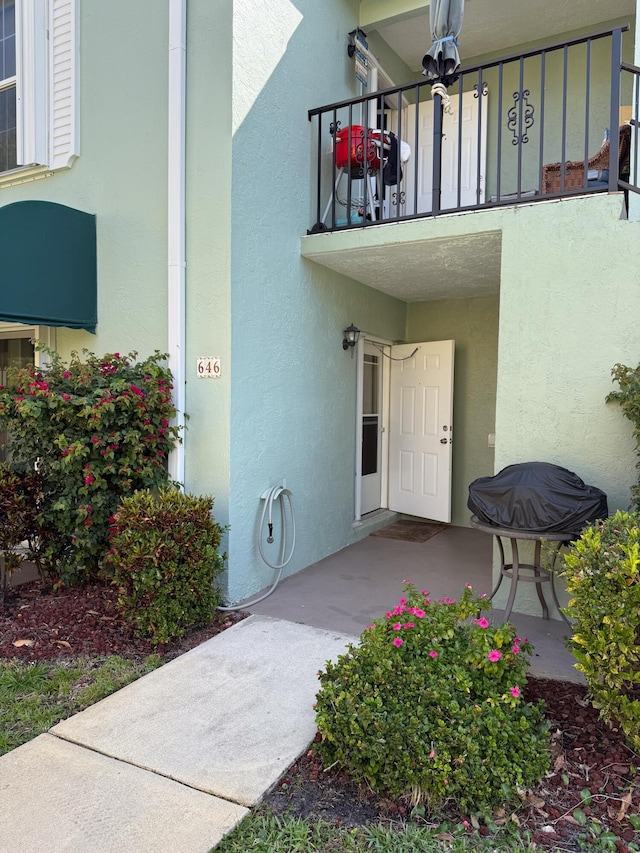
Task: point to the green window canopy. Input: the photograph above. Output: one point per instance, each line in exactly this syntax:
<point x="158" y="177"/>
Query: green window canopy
<point x="48" y="272"/>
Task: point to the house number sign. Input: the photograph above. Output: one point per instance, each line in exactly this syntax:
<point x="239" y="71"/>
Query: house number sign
<point x="208" y="367"/>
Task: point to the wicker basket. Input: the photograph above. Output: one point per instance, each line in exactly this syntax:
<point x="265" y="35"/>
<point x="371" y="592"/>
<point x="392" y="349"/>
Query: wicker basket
<point x="574" y="176"/>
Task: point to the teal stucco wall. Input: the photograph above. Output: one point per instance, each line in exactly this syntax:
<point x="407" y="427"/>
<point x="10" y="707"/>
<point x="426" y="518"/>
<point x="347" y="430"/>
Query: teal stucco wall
<point x="293" y="387"/>
<point x="208" y="248"/>
<point x="120" y="174"/>
<point x="569" y="303"/>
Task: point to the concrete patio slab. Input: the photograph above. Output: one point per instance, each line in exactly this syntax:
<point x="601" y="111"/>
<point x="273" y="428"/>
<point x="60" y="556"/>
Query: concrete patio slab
<point x="60" y="798"/>
<point x="346" y="591"/>
<point x="228" y="717"/>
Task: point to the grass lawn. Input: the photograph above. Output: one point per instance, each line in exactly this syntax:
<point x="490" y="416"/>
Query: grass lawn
<point x="36" y="696"/>
<point x="264" y="832"/>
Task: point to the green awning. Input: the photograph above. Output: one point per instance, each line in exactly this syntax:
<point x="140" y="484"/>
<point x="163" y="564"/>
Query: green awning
<point x="48" y="272"/>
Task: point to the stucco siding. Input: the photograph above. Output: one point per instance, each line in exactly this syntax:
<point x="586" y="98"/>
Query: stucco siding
<point x="293" y="391"/>
<point x="569" y="307"/>
<point x="120" y="174"/>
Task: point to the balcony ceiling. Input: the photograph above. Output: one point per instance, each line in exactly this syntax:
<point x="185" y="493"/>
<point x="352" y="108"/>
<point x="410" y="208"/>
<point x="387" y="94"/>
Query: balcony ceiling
<point x="496" y="26"/>
<point x="455" y="267"/>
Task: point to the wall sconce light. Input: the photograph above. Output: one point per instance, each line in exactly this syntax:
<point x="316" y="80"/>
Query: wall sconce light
<point x="351" y="335"/>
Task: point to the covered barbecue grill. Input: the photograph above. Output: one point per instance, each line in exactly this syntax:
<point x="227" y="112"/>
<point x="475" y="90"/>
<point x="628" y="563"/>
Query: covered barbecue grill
<point x="537" y="497"/>
<point x="533" y="501"/>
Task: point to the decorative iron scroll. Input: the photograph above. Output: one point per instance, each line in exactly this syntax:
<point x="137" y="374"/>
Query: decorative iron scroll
<point x="482" y="89"/>
<point x="520" y="133"/>
<point x="334" y="127"/>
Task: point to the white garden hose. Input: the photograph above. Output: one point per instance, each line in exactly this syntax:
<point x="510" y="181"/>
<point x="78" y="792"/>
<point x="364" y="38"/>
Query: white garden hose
<point x="275" y="493"/>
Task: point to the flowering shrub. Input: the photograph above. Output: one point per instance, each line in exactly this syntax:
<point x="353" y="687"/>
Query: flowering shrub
<point x="429" y="705"/>
<point x="602" y="571"/>
<point x="164" y="553"/>
<point x="98" y="428"/>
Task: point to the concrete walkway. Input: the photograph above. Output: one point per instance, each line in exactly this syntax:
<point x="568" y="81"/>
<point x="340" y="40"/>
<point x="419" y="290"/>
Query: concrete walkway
<point x="173" y="761"/>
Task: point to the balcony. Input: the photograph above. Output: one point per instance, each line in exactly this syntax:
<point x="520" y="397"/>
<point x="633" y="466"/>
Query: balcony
<point x="548" y="123"/>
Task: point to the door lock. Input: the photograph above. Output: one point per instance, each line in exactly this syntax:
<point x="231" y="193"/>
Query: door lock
<point x="443" y="441"/>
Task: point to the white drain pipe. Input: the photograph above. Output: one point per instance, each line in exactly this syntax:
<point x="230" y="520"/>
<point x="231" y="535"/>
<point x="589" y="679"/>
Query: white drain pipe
<point x="176" y="222"/>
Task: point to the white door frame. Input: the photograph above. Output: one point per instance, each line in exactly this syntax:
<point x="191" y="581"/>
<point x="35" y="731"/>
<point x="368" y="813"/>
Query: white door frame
<point x="385" y="344"/>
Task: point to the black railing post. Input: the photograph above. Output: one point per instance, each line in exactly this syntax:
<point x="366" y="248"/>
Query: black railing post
<point x="416" y="151"/>
<point x="436" y="186"/>
<point x="614" y="120"/>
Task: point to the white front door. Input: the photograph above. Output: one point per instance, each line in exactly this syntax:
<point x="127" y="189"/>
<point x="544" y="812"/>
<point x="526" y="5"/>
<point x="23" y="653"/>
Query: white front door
<point x="422" y="159"/>
<point x="420" y="433"/>
<point x="371" y="430"/>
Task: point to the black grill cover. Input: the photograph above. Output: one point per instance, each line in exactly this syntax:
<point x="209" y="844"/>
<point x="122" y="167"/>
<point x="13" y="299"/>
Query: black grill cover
<point x="537" y="496"/>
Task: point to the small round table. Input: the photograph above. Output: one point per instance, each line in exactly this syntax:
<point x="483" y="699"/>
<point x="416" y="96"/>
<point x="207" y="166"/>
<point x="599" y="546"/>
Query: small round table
<point x="527" y="572"/>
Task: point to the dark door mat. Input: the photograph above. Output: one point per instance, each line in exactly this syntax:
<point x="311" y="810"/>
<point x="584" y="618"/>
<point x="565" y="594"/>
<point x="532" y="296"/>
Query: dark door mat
<point x="410" y="531"/>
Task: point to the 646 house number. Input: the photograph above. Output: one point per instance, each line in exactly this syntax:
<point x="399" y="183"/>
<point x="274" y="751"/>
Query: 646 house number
<point x="208" y="367"/>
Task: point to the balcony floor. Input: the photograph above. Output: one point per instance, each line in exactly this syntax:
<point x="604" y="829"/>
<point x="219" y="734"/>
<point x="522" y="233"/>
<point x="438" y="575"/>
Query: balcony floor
<point x="347" y="590"/>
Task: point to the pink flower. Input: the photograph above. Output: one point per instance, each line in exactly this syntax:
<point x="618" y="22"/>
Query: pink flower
<point x="403" y="600"/>
<point x="418" y="613"/>
<point x="66" y="397"/>
<point x="405" y="581"/>
<point x="433" y="654"/>
<point x="515" y="692"/>
<point x="88" y="479"/>
<point x="369" y="627"/>
<point x="397" y="642"/>
<point x="397" y="626"/>
<point x="494" y="655"/>
<point x="66" y="374"/>
<point x="425" y="592"/>
<point x="432" y="754"/>
<point x="409" y="625"/>
<point x="483" y="595"/>
<point x="515" y="648"/>
<point x="468" y="586"/>
<point x="482" y="622"/>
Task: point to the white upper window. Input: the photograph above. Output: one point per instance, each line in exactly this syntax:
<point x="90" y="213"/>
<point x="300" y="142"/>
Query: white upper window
<point x="38" y="87"/>
<point x="7" y="85"/>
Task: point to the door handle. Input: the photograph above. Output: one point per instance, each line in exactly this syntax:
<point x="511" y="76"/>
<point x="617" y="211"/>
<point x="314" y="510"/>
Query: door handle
<point x="443" y="441"/>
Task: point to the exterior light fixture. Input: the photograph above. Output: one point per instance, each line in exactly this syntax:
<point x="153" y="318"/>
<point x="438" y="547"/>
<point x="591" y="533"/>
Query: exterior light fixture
<point x="351" y="335"/>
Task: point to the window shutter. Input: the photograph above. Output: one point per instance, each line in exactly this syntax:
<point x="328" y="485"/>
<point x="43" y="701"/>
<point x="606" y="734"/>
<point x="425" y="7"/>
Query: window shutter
<point x="63" y="75"/>
<point x="31" y="82"/>
<point x="46" y="82"/>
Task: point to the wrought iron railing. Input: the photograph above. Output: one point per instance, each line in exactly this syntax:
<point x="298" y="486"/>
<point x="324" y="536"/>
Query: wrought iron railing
<point x="630" y="181"/>
<point x="530" y="126"/>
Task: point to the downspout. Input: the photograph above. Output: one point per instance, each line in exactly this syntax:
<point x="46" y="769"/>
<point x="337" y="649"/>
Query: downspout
<point x="176" y="222"/>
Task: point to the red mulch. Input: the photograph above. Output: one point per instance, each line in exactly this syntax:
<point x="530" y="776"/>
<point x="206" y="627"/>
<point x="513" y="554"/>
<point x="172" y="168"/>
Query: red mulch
<point x="586" y="753"/>
<point x="74" y="621"/>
